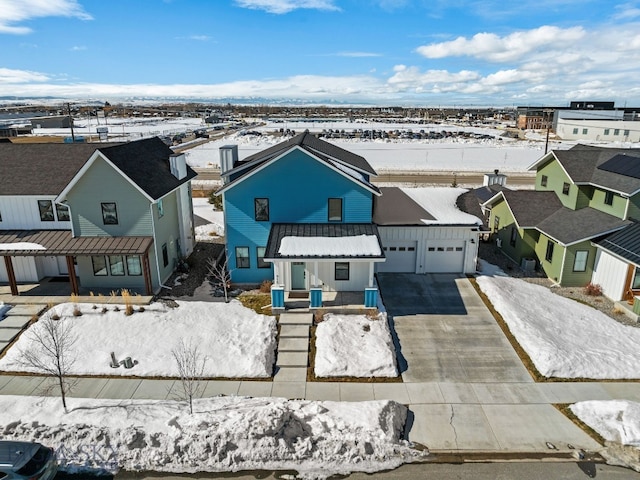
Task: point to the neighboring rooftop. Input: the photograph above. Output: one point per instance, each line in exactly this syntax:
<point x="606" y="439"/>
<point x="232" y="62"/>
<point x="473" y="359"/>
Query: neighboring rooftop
<point x="522" y="202"/>
<point x="570" y="226"/>
<point x="624" y="243"/>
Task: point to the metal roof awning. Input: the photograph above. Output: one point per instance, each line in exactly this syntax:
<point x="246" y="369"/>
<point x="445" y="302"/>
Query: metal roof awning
<point x="30" y="243"/>
<point x="324" y="241"/>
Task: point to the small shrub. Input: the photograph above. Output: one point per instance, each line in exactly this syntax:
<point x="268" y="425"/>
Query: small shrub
<point x="77" y="312"/>
<point x="215" y="200"/>
<point x="55" y="316"/>
<point x="593" y="289"/>
<point x="128" y="307"/>
<point x="366" y="328"/>
<point x="104" y="310"/>
<point x="95" y="307"/>
<point x="265" y="286"/>
<point x="141" y="309"/>
<point x="116" y="308"/>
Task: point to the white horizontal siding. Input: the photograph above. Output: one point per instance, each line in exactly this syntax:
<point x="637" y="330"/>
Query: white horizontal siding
<point x="22" y="213"/>
<point x="611" y="274"/>
<point x="358" y="276"/>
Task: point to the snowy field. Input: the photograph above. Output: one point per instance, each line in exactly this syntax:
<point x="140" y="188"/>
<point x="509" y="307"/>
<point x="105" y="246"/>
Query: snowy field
<point x="316" y="439"/>
<point x="237" y="342"/>
<point x="354" y="346"/>
<point x="563" y="338"/>
<point x="215" y="228"/>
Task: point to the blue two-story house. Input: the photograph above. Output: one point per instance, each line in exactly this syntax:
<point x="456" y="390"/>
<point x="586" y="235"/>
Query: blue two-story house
<point x="300" y="214"/>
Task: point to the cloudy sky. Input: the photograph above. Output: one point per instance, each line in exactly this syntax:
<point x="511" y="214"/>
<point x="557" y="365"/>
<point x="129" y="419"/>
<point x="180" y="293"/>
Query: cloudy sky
<point x="386" y="52"/>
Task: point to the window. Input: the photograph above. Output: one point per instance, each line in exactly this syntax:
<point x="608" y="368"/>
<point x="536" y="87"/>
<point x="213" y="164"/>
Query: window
<point x="496" y="223"/>
<point x="0" y="216"/>
<point x="62" y="211"/>
<point x="565" y="188"/>
<point x="342" y="270"/>
<point x="635" y="284"/>
<point x="616" y="131"/>
<point x="335" y="209"/>
<point x="626" y="133"/>
<point x="608" y="198"/>
<point x="165" y="255"/>
<point x="242" y="257"/>
<point x="514" y="236"/>
<point x="160" y="209"/>
<point x="116" y="265"/>
<point x="261" y="206"/>
<point x="580" y="262"/>
<point x="46" y="210"/>
<point x="606" y="131"/>
<point x="543" y="180"/>
<point x="99" y="266"/>
<point x="548" y="256"/>
<point x="133" y="265"/>
<point x="402" y="249"/>
<point x="585" y="131"/>
<point x="411" y="249"/>
<point x="109" y="213"/>
<point x="393" y="249"/>
<point x="575" y="131"/>
<point x="260" y="254"/>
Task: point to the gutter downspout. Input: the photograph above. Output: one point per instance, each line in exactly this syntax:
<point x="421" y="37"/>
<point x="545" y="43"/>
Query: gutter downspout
<point x="155" y="249"/>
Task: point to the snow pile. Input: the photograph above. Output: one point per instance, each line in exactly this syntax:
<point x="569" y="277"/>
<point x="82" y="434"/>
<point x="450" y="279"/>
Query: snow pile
<point x="225" y="434"/>
<point x="614" y="420"/>
<point x="564" y="338"/>
<point x="236" y="341"/>
<point x="354" y="346"/>
<point x="440" y="202"/>
<point x="21" y="246"/>
<point x="355" y="246"/>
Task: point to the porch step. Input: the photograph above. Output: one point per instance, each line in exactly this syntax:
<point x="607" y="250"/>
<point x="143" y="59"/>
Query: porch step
<point x="292" y="359"/>
<point x="15" y="321"/>
<point x="290" y="374"/>
<point x="8" y="334"/>
<point x="296" y="319"/>
<point x="26" y="310"/>
<point x="288" y="344"/>
<point x="294" y="331"/>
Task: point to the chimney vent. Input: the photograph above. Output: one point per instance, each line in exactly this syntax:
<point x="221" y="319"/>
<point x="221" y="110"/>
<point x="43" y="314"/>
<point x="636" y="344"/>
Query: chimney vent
<point x="228" y="158"/>
<point x="178" y="165"/>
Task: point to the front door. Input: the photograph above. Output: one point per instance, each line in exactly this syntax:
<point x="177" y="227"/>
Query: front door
<point x="298" y="276"/>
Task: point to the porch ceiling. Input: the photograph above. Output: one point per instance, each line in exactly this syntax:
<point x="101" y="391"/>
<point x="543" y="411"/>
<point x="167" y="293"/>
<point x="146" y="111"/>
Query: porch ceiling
<point x="357" y="241"/>
<point x="30" y="243"/>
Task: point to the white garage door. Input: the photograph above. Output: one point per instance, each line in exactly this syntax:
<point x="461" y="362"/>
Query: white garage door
<point x="444" y="257"/>
<point x="401" y="257"/>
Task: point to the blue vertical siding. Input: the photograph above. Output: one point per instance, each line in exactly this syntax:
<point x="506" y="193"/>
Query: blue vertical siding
<point x="298" y="188"/>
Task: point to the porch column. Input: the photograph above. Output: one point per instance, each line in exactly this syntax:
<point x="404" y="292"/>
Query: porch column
<point x="73" y="279"/>
<point x="371" y="292"/>
<point x="276" y="273"/>
<point x="12" y="276"/>
<point x="146" y="272"/>
<point x="315" y="292"/>
<point x="371" y="268"/>
<point x="315" y="273"/>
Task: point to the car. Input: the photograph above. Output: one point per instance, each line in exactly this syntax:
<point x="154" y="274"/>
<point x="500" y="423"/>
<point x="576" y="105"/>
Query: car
<point x="26" y="460"/>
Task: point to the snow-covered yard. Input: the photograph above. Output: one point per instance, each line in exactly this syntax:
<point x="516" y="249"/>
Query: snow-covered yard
<point x="354" y="346"/>
<point x="215" y="228"/>
<point x="563" y="338"/>
<point x="236" y="341"/>
<point x="317" y="439"/>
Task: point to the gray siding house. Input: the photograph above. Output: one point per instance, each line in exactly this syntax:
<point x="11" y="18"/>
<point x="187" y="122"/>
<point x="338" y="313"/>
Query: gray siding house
<point x="123" y="214"/>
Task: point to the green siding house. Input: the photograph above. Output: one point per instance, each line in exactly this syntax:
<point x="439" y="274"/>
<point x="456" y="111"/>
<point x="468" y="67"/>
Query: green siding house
<point x="582" y="196"/>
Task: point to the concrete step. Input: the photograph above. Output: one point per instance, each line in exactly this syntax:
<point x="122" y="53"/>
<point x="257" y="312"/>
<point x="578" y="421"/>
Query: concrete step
<point x="8" y="334"/>
<point x="14" y="321"/>
<point x="290" y="344"/>
<point x="294" y="331"/>
<point x="290" y="374"/>
<point x="292" y="359"/>
<point x="296" y="319"/>
<point x="27" y="310"/>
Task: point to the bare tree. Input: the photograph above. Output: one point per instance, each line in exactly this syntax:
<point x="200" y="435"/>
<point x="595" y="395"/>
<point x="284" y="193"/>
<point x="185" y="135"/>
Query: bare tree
<point x="51" y="351"/>
<point x="219" y="271"/>
<point x="191" y="363"/>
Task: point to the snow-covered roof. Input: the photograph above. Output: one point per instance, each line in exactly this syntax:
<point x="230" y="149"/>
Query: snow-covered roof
<point x="440" y="202"/>
<point x="21" y="246"/>
<point x="358" y="246"/>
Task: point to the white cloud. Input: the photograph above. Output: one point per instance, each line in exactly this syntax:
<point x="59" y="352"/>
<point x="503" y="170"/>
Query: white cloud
<point x="489" y="46"/>
<point x="14" y="12"/>
<point x="627" y="11"/>
<point x="10" y="76"/>
<point x="78" y="48"/>
<point x="286" y="6"/>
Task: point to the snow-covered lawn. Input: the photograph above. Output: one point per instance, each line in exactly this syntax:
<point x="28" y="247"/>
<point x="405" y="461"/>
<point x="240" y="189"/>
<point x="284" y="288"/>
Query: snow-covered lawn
<point x="563" y="338"/>
<point x="237" y="341"/>
<point x="354" y="346"/>
<point x="317" y="439"/>
<point x="614" y="420"/>
<point x="203" y="209"/>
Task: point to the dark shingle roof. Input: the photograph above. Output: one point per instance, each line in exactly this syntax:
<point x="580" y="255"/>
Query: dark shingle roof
<point x="40" y="168"/>
<point x="530" y="207"/>
<point x="624" y="243"/>
<point x="586" y="164"/>
<point x="469" y="202"/>
<point x="394" y="207"/>
<point x="571" y="226"/>
<point x="281" y="230"/>
<point x="146" y="163"/>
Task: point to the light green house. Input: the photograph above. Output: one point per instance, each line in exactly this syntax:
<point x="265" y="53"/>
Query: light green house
<point x="582" y="195"/>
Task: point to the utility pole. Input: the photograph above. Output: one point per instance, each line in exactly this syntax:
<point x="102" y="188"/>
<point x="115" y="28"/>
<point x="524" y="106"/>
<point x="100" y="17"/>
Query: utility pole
<point x="546" y="144"/>
<point x="73" y="137"/>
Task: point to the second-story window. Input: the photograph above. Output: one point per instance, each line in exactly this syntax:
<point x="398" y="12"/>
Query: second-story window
<point x="543" y="180"/>
<point x="335" y="209"/>
<point x="608" y="198"/>
<point x="160" y="209"/>
<point x="46" y="210"/>
<point x="565" y="188"/>
<point x="261" y="206"/>
<point x="62" y="211"/>
<point x="109" y="213"/>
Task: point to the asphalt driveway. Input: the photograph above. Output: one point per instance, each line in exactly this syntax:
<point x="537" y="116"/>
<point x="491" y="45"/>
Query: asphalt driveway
<point x="444" y="333"/>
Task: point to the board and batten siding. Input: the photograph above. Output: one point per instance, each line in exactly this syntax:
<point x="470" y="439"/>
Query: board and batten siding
<point x="298" y="188"/>
<point x="102" y="184"/>
<point x="22" y="213"/>
<point x="358" y="276"/>
<point x="434" y="235"/>
<point x="24" y="268"/>
<point x="610" y="272"/>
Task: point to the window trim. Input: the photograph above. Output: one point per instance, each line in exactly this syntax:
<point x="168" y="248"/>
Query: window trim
<point x="514" y="236"/>
<point x="635" y="280"/>
<point x="160" y="208"/>
<point x="165" y="255"/>
<point x="248" y="260"/>
<point x="329" y="217"/>
<point x="64" y="209"/>
<point x="544" y="180"/>
<point x="264" y="217"/>
<point x="93" y="265"/>
<point x="342" y="269"/>
<point x="608" y="197"/>
<point x="586" y="259"/>
<point x="566" y="188"/>
<point x="42" y="209"/>
<point x="103" y="206"/>
<point x="139" y="264"/>
<point x="260" y="261"/>
<point x="112" y="263"/>
<point x="548" y="255"/>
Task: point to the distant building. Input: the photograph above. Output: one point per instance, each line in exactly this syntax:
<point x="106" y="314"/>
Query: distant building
<point x="57" y="121"/>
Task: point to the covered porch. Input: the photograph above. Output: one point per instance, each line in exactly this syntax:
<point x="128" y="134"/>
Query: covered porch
<point x="323" y="265"/>
<point x="29" y="249"/>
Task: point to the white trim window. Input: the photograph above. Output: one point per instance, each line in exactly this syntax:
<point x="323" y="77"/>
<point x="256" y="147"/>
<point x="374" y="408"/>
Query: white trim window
<point x="580" y="262"/>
